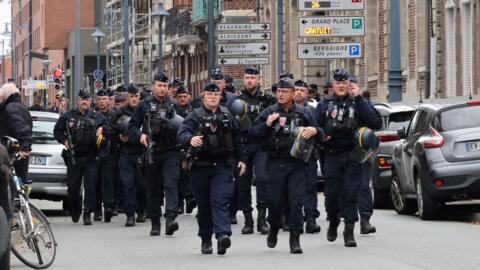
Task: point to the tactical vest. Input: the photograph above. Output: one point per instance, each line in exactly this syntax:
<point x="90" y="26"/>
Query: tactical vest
<point x="341" y="119"/>
<point x="159" y="116"/>
<point x="84" y="130"/>
<point x="256" y="104"/>
<point x="217" y="134"/>
<point x="282" y="135"/>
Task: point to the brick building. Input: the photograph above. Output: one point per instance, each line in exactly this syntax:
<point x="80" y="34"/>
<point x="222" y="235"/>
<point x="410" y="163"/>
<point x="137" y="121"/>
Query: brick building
<point x="51" y="20"/>
<point x="440" y="40"/>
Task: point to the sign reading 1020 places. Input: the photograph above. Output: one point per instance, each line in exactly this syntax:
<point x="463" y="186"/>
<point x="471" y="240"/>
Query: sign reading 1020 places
<point x="323" y="5"/>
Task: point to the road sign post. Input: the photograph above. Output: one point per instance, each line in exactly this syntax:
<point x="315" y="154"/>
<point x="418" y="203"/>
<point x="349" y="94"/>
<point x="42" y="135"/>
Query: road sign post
<point x="331" y="26"/>
<point x="330" y="51"/>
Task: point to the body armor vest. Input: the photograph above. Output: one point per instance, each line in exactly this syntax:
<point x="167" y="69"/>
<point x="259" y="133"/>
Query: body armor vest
<point x="340" y="119"/>
<point x="216" y="129"/>
<point x="163" y="134"/>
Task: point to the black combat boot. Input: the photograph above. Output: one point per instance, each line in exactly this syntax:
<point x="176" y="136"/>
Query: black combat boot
<point x="155" y="227"/>
<point x="272" y="237"/>
<point x="366" y="227"/>
<point x="284" y="221"/>
<point x="191" y="204"/>
<point x="97" y="215"/>
<point x="180" y="208"/>
<point x="87" y="218"/>
<point x="171" y="226"/>
<point x="332" y="229"/>
<point x="262" y="226"/>
<point x="108" y="215"/>
<point x="233" y="218"/>
<point x="223" y="243"/>
<point x="207" y="246"/>
<point x="248" y="228"/>
<point x="141" y="217"/>
<point x="311" y="226"/>
<point x="130" y="220"/>
<point x="295" y="243"/>
<point x="348" y="235"/>
<point x="76" y="216"/>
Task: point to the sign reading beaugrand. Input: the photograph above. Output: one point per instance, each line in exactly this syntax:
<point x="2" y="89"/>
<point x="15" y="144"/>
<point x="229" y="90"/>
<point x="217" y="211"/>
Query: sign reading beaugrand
<point x="307" y="5"/>
<point x="243" y="48"/>
<point x="243" y="27"/>
<point x="330" y="51"/>
<point x="331" y="26"/>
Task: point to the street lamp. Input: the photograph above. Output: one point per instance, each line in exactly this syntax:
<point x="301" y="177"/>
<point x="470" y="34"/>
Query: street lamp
<point x="160" y="12"/>
<point x="97" y="37"/>
<point x="6" y="32"/>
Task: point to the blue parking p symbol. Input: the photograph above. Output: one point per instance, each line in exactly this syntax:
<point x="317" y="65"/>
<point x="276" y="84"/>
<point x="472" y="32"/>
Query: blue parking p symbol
<point x="354" y="50"/>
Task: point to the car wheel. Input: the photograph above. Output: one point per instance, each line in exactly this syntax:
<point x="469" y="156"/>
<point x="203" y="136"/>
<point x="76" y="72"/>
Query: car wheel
<point x="428" y="207"/>
<point x="402" y="205"/>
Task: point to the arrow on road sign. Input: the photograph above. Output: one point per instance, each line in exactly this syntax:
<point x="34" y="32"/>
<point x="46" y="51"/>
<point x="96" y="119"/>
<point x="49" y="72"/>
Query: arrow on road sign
<point x="263" y="48"/>
<point x="304" y="21"/>
<point x="305" y="51"/>
<point x="265" y="26"/>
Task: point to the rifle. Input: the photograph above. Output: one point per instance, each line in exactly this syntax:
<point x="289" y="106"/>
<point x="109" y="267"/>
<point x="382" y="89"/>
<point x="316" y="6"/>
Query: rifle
<point x="71" y="146"/>
<point x="149" y="151"/>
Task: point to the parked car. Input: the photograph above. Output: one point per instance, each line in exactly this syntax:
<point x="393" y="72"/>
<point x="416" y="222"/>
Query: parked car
<point x="394" y="117"/>
<point x="438" y="158"/>
<point x="47" y="169"/>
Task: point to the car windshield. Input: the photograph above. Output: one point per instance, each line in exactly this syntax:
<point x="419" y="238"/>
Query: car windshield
<point x="399" y="120"/>
<point x="43" y="130"/>
<point x="459" y="118"/>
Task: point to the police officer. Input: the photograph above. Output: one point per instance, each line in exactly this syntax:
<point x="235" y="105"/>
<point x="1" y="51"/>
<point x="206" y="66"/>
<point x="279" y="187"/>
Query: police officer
<point x="288" y="132"/>
<point x="365" y="201"/>
<point x="218" y="77"/>
<point x="151" y="126"/>
<point x="230" y="84"/>
<point x="310" y="199"/>
<point x="78" y="131"/>
<point x="216" y="147"/>
<point x="185" y="190"/>
<point x="132" y="182"/>
<point x="106" y="160"/>
<point x="340" y="114"/>
<point x="255" y="100"/>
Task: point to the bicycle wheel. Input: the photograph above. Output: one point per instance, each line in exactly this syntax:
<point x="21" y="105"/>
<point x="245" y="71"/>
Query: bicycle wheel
<point x="36" y="248"/>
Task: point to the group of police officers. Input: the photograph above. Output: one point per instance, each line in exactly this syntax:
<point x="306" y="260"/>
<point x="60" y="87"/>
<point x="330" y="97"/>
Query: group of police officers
<point x="138" y="151"/>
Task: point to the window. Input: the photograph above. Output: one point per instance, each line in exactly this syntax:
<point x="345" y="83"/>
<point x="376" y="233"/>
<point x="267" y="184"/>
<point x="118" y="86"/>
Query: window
<point x="417" y="123"/>
<point x="450" y="48"/>
<point x="459" y="118"/>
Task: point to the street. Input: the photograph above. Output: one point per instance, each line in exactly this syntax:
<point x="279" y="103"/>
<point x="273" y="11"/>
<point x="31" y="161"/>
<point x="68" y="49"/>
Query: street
<point x="401" y="242"/>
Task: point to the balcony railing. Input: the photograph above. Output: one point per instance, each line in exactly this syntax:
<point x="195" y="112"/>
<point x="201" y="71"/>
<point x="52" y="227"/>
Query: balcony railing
<point x="200" y="11"/>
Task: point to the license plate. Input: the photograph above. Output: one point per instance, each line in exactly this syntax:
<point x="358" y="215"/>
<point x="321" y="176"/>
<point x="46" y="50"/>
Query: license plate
<point x="473" y="146"/>
<point x="36" y="160"/>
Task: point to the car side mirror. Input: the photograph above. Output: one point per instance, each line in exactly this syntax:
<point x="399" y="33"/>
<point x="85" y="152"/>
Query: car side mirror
<point x="402" y="133"/>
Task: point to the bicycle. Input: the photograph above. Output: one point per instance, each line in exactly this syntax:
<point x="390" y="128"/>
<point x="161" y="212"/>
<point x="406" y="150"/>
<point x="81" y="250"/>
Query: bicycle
<point x="32" y="240"/>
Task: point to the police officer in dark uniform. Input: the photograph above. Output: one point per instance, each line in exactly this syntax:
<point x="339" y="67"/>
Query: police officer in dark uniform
<point x="106" y="160"/>
<point x="132" y="182"/>
<point x="152" y="126"/>
<point x="214" y="139"/>
<point x="255" y="100"/>
<point x="78" y="131"/>
<point x="340" y="114"/>
<point x="289" y="133"/>
<point x="218" y="77"/>
<point x="185" y="190"/>
<point x="310" y="207"/>
<point x="230" y="84"/>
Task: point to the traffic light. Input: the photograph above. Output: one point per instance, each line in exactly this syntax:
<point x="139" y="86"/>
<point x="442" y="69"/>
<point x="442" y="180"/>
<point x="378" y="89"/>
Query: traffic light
<point x="57" y="78"/>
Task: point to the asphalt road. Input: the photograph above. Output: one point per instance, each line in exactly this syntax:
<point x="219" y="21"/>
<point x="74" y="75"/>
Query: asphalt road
<point x="401" y="242"/>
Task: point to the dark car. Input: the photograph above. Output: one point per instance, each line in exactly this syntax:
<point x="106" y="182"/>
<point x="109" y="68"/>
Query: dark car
<point x="394" y="117"/>
<point x="438" y="158"/>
